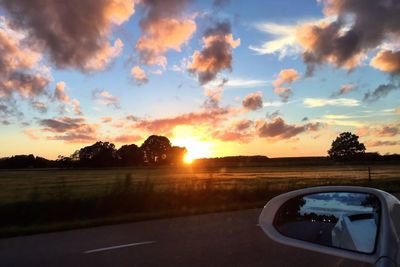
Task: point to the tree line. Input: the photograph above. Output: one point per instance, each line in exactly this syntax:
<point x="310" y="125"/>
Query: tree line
<point x="155" y="151"/>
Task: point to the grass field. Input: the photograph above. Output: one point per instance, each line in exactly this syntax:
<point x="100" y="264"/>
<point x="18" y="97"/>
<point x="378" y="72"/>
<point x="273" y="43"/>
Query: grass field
<point x="50" y="199"/>
<point x="21" y="185"/>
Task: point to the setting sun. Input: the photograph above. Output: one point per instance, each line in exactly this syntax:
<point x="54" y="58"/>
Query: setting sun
<point x="196" y="149"/>
<point x="190" y="138"/>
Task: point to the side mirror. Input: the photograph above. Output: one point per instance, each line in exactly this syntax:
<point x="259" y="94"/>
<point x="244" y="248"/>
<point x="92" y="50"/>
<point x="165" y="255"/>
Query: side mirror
<point x="348" y="222"/>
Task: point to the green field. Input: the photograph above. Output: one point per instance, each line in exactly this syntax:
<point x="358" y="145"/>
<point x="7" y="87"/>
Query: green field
<point x="20" y="185"/>
<point x="50" y="199"/>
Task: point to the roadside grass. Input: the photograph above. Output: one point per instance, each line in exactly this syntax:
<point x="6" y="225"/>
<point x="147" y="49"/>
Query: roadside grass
<point x="51" y="200"/>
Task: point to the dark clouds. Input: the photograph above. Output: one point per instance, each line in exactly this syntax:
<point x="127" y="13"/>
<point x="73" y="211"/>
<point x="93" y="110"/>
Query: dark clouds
<point x="216" y="54"/>
<point x="284" y="93"/>
<point x="344" y="89"/>
<point x="9" y="111"/>
<point x="253" y="101"/>
<point x="40" y="106"/>
<point x="62" y="124"/>
<point x="72" y="130"/>
<point x="379" y="92"/>
<point x="361" y="25"/>
<point x="279" y="129"/>
<point x="220" y="3"/>
<point x="372" y="143"/>
<point x="75" y="33"/>
<point x="242" y="125"/>
<point x="273" y="115"/>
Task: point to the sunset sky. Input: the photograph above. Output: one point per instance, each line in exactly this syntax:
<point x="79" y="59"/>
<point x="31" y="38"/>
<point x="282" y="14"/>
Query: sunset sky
<point x="275" y="77"/>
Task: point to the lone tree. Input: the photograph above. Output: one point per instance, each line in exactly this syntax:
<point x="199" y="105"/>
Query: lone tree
<point x="345" y="146"/>
<point x="155" y="149"/>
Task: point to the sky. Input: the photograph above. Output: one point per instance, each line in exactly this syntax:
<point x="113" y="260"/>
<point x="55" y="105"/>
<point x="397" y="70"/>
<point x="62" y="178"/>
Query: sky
<point x="221" y="77"/>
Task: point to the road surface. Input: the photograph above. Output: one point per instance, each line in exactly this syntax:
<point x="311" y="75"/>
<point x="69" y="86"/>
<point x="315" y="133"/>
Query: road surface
<point x="219" y="239"/>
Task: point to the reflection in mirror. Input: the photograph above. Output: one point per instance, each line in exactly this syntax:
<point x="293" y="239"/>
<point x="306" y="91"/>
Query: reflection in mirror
<point x="346" y="220"/>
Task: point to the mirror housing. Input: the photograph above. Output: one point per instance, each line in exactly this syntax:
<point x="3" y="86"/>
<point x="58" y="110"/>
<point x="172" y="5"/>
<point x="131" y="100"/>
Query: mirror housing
<point x="387" y="246"/>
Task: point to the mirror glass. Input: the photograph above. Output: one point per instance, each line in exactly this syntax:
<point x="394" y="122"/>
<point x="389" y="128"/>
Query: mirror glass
<point x="346" y="220"/>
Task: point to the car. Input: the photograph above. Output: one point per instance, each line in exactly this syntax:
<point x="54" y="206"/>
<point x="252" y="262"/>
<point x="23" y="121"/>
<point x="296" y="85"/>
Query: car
<point x="356" y="223"/>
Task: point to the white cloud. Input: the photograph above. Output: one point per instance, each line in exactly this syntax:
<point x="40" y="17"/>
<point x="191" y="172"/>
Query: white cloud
<point x="285" y="42"/>
<point x="239" y="83"/>
<point x="321" y="102"/>
<point x="339" y="122"/>
<point x="273" y="104"/>
<point x="337" y="117"/>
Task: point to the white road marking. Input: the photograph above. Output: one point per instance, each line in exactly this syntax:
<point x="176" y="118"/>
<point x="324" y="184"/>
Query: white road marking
<point x="119" y="246"/>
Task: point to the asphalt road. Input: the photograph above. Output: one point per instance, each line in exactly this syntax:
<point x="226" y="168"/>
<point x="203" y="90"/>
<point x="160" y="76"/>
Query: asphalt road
<point x="220" y="239"/>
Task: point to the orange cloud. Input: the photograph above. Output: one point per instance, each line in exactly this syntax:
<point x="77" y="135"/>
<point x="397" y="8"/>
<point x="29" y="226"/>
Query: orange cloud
<point x="21" y="70"/>
<point x="76" y="107"/>
<point x="286" y="76"/>
<point x="139" y="75"/>
<point x="240" y="131"/>
<point x="106" y="119"/>
<point x="60" y="94"/>
<point x="162" y="35"/>
<point x="387" y="61"/>
<point x="163" y="29"/>
<point x="206" y="117"/>
<point x="232" y="136"/>
<point x="31" y="133"/>
<point x="126" y="138"/>
<point x="371" y="143"/>
<point x="383" y="130"/>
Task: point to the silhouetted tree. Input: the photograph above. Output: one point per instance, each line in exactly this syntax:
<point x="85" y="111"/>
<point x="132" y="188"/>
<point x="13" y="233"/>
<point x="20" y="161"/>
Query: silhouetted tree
<point x="176" y="155"/>
<point x="100" y="154"/>
<point x="24" y="161"/>
<point x="130" y="155"/>
<point x="346" y="146"/>
<point x="155" y="149"/>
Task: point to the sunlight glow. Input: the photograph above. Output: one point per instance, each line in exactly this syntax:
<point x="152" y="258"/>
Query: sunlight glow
<point x="196" y="147"/>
